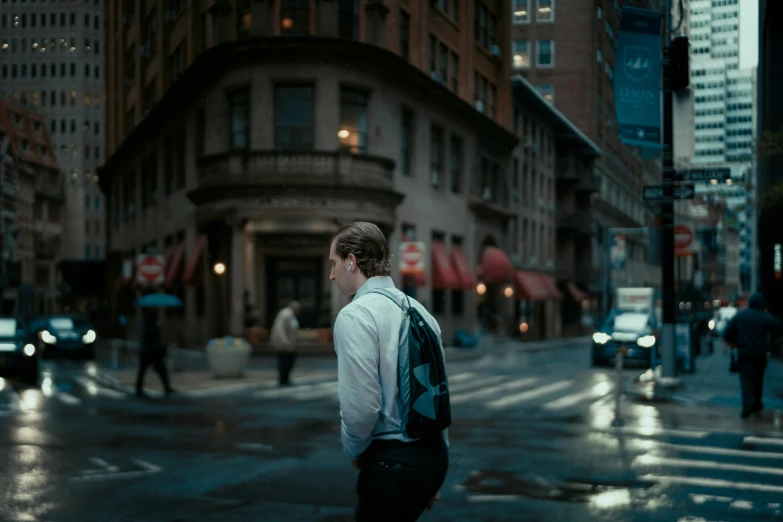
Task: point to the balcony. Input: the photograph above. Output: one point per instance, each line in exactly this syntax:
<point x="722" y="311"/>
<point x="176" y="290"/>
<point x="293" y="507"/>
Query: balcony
<point x="263" y="173"/>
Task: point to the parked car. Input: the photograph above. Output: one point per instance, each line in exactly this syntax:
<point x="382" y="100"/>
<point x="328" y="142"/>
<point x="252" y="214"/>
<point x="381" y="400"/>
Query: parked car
<point x="637" y="331"/>
<point x="18" y="354"/>
<point x="66" y="336"/>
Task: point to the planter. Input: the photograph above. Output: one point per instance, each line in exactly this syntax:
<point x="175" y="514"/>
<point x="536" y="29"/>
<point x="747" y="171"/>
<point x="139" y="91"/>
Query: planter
<point x="255" y="335"/>
<point x="325" y="336"/>
<point x="228" y="357"/>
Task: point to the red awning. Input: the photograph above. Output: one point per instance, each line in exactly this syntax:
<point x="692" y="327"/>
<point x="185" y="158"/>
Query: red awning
<point x="174" y="264"/>
<point x="577" y="293"/>
<point x="416" y="280"/>
<point x="461" y="268"/>
<point x="496" y="266"/>
<point x="530" y="286"/>
<point x="192" y="277"/>
<point x="551" y="287"/>
<point x="443" y="275"/>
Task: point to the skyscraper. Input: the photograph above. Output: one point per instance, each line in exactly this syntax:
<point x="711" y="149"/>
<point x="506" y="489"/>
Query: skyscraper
<point x="51" y="61"/>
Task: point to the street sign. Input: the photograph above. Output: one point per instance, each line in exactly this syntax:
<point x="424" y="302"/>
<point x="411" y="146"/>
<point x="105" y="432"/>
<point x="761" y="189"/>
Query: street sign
<point x="721" y="174"/>
<point x="683" y="239"/>
<point x="670" y="192"/>
<point x="412" y="257"/>
<point x="149" y="269"/>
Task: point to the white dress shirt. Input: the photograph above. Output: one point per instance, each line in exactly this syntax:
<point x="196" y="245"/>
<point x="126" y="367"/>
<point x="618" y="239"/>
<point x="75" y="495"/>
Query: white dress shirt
<point x="366" y="339"/>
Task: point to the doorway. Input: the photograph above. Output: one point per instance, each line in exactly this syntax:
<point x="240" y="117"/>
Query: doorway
<point x="291" y="279"/>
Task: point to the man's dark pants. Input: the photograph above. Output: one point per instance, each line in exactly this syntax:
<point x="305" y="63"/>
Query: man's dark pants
<point x="751" y="370"/>
<point x="285" y="363"/>
<point x="397" y="480"/>
<point x="154" y="359"/>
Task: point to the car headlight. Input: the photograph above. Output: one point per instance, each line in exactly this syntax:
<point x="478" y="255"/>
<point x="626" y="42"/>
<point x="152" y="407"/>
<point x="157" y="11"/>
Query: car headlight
<point x="29" y="350"/>
<point x="648" y="341"/>
<point x="711" y="324"/>
<point x="48" y="338"/>
<point x="89" y="337"/>
<point x="601" y="338"/>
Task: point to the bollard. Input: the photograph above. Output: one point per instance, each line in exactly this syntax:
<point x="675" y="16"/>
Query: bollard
<point x="618" y="365"/>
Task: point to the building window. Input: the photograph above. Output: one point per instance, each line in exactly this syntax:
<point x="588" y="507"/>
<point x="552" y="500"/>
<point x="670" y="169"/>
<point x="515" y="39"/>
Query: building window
<point x="547" y="90"/>
<point x="433" y="55"/>
<point x="457" y="295"/>
<point x="405" y="34"/>
<point x="455" y="73"/>
<point x="600" y="12"/>
<point x="520" y="11"/>
<point x="546" y="11"/>
<point x="546" y="53"/>
<point x="294" y="117"/>
<point x="520" y="54"/>
<point x="436" y="156"/>
<point x="490" y="179"/>
<point x="485" y="26"/>
<point x="239" y="102"/>
<point x="295" y="17"/>
<point x="406" y="142"/>
<point x="455" y="165"/>
<point x="348" y="19"/>
<point x="480" y="85"/>
<point x="353" y="120"/>
<point x="493" y="101"/>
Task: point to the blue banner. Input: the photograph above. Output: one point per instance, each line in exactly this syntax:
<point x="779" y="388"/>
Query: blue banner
<point x="637" y="78"/>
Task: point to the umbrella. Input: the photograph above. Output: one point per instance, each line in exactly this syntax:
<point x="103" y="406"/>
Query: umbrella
<point x="159" y="301"/>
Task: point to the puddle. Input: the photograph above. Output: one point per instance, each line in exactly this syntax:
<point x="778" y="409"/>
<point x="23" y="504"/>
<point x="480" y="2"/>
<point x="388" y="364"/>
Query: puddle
<point x="600" y="494"/>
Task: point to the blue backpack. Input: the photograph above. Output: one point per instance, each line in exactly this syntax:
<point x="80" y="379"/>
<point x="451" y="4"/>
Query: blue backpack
<point x="423" y="399"/>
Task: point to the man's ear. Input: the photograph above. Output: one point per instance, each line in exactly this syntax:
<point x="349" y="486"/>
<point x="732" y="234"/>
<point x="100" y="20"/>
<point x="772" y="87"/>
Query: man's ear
<point x="352" y="259"/>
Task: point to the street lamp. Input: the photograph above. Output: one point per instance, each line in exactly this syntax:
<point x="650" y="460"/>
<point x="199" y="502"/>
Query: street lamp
<point x="219" y="269"/>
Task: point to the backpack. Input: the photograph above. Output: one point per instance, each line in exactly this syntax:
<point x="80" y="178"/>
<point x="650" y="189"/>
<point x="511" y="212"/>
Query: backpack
<point x="423" y="389"/>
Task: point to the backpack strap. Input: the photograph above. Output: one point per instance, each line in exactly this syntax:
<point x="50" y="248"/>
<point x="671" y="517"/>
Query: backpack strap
<point x="390" y="298"/>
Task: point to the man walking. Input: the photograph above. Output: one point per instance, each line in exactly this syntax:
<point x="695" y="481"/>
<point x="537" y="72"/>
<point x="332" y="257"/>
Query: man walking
<point x="752" y="332"/>
<point x="152" y="351"/>
<point x="283" y="339"/>
<point x="399" y="476"/>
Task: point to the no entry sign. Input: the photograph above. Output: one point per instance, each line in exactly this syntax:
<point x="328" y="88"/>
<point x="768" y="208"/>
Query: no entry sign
<point x="412" y="257"/>
<point x="149" y="270"/>
<point x="683" y="239"/>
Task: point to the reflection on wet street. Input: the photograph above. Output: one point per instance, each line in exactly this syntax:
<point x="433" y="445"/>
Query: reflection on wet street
<point x="532" y="433"/>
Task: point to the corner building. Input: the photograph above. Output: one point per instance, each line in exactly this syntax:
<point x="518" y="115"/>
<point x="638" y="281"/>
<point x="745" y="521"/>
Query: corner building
<point x="247" y="133"/>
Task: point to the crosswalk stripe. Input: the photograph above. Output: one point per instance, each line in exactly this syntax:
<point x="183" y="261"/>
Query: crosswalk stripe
<point x="67" y="398"/>
<point x="328" y="389"/>
<point x="486" y="392"/>
<point x="527" y="395"/>
<point x="711" y="483"/>
<point x="474" y="385"/>
<point x="765" y="441"/>
<point x="575" y="398"/>
<point x="652" y="460"/>
<point x="721" y="451"/>
<point x="93" y="389"/>
<point x="276" y="392"/>
<point x="461" y="377"/>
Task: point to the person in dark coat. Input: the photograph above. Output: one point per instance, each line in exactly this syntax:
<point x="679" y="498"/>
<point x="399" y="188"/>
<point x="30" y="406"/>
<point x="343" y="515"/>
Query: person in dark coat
<point x="151" y="352"/>
<point x="752" y="332"/>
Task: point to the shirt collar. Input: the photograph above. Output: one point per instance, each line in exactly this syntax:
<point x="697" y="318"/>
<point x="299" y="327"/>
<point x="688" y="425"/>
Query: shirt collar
<point x="374" y="283"/>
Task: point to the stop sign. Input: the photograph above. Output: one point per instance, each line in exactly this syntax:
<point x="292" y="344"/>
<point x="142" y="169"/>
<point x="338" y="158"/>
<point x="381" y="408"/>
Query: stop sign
<point x="683" y="237"/>
<point x="412" y="257"/>
<point x="149" y="269"/>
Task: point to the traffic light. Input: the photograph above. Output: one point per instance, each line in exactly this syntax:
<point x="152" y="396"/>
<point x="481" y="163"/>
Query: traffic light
<point x="679" y="68"/>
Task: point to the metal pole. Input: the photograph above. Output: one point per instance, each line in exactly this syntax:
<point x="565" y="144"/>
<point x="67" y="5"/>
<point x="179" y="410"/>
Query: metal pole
<point x="668" y="360"/>
<point x="607" y="272"/>
<point x="618" y="390"/>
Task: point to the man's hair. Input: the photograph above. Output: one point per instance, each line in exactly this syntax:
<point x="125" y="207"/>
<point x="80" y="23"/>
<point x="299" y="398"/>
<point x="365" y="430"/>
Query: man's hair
<point x="367" y="242"/>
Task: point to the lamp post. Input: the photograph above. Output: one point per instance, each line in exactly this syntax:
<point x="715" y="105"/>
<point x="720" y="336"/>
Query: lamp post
<point x="219" y="270"/>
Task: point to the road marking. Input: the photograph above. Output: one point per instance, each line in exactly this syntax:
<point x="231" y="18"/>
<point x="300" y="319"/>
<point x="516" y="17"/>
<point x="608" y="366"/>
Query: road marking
<point x="255" y="447"/>
<point x="703" y="499"/>
<point x="575" y="398"/>
<point x="104" y="467"/>
<point x="493" y="498"/>
<point x="68" y="399"/>
<point x="513" y="400"/>
<point x="99" y="475"/>
<point x="223" y="390"/>
<point x="711" y="483"/>
<point x="93" y="389"/>
<point x="766" y="441"/>
<point x="642" y="431"/>
<point x="277" y="392"/>
<point x="722" y="451"/>
<point x="328" y="390"/>
<point x="652" y="460"/>
<point x="486" y="392"/>
<point x="475" y="385"/>
<point x="461" y="377"/>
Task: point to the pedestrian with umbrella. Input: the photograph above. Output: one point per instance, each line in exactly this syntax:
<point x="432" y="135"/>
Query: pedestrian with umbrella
<point x="152" y="349"/>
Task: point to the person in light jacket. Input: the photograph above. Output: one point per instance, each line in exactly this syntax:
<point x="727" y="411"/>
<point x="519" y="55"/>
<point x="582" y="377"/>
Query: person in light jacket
<point x="283" y="340"/>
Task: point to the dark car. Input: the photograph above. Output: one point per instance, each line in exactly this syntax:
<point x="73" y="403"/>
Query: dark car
<point x="18" y="355"/>
<point x="637" y="331"/>
<point x="66" y="336"/>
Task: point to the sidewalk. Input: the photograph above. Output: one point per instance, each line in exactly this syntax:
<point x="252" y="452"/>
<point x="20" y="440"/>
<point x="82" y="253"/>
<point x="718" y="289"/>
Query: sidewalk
<point x="190" y="372"/>
<point x="712" y="384"/>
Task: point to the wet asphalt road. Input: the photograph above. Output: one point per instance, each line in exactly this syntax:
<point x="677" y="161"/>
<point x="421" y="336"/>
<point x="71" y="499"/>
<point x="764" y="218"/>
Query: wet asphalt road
<point x="531" y="440"/>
